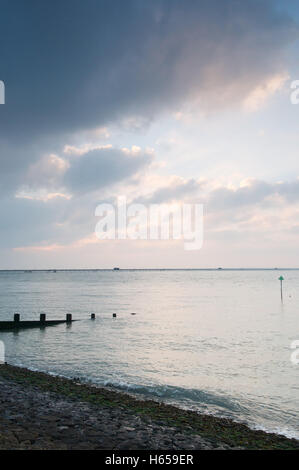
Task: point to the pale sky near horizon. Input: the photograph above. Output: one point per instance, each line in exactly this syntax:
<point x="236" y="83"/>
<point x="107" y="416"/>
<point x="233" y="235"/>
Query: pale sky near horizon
<point x="161" y="101"/>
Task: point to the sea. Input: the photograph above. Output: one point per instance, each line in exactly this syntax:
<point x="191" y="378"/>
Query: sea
<point x="217" y="341"/>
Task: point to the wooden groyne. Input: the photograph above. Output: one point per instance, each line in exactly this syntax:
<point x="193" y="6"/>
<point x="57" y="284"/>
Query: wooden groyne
<point x="17" y="324"/>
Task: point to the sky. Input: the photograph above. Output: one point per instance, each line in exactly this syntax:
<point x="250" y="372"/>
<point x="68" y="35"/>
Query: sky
<point x="162" y="102"/>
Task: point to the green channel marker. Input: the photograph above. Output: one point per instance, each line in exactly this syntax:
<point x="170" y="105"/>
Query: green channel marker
<point x="281" y="278"/>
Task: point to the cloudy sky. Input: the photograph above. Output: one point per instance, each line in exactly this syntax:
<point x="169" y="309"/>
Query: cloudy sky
<point x="163" y="101"/>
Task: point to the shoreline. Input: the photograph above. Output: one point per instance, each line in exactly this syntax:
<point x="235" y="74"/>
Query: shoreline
<point x="42" y="411"/>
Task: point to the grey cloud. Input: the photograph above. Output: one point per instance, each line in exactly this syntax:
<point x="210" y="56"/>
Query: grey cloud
<point x="71" y="65"/>
<point x="103" y="167"/>
<point x="173" y="192"/>
<point x="256" y="193"/>
<point x="223" y="198"/>
<point x="87" y="172"/>
<point x="27" y="221"/>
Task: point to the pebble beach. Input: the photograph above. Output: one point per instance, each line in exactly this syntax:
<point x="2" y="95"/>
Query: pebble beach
<point x="41" y="411"/>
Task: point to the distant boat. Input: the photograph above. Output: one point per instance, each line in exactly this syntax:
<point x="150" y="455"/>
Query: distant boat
<point x="28" y="271"/>
<point x="54" y="270"/>
<point x="219" y="269"/>
<point x="115" y="269"/>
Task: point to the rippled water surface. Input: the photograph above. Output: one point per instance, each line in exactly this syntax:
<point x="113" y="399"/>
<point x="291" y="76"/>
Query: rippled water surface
<point x="214" y="341"/>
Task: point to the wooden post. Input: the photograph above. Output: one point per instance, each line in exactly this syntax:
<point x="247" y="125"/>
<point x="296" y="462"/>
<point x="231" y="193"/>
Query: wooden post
<point x="92" y="316"/>
<point x="16" y="317"/>
<point x="69" y="318"/>
<point x="42" y="317"/>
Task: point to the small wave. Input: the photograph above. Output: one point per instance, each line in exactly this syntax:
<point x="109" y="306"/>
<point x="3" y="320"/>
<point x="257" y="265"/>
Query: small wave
<point x="282" y="431"/>
<point x="202" y="401"/>
<point x="180" y="395"/>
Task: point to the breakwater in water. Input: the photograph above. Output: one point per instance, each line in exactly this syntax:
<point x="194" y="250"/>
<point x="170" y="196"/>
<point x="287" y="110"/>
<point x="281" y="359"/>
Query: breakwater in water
<point x="17" y="324"/>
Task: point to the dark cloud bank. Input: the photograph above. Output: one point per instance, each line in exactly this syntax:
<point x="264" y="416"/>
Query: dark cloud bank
<point x="73" y="64"/>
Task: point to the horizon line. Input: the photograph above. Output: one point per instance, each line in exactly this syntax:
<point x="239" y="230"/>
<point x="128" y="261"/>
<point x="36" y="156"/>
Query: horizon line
<point x="28" y="270"/>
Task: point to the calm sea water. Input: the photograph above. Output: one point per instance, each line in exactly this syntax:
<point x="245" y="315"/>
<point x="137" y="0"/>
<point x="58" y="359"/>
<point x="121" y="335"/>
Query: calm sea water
<point x="213" y="341"/>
